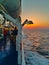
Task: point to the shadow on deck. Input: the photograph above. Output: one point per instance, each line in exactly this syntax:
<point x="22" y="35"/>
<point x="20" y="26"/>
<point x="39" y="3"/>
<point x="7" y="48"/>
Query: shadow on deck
<point x="9" y="57"/>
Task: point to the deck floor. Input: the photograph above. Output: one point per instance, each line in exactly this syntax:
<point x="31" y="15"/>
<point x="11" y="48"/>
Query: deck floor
<point x="9" y="55"/>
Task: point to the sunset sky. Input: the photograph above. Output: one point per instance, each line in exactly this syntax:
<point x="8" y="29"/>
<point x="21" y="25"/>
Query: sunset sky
<point x="37" y="11"/>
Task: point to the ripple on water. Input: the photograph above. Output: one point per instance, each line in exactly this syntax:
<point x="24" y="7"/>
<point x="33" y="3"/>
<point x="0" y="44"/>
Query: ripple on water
<point x="35" y="44"/>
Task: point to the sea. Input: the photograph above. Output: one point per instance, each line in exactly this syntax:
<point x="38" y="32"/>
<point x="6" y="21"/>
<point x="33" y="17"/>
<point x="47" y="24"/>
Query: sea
<point x="36" y="46"/>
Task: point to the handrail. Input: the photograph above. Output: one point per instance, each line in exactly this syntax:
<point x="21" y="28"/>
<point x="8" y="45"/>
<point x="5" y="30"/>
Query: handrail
<point x="23" y="59"/>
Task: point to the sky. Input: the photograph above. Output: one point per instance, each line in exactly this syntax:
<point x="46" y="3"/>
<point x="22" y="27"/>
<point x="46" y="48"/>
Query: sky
<point x="37" y="11"/>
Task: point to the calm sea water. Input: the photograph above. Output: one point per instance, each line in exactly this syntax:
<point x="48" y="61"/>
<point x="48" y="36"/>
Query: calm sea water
<point x="36" y="41"/>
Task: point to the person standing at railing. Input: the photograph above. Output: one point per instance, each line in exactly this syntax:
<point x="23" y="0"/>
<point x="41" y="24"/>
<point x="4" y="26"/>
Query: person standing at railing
<point x="4" y="37"/>
<point x="13" y="38"/>
<point x="15" y="33"/>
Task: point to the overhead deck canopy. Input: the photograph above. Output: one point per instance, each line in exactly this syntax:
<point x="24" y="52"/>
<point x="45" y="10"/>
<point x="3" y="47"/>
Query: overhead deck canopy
<point x="13" y="7"/>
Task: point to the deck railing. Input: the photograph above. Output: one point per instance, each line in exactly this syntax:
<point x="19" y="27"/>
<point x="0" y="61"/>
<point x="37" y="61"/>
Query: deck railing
<point x="23" y="57"/>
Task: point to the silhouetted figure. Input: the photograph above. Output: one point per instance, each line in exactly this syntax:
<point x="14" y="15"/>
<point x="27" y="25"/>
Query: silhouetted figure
<point x="4" y="37"/>
<point x="1" y="44"/>
<point x="13" y="38"/>
<point x="15" y="32"/>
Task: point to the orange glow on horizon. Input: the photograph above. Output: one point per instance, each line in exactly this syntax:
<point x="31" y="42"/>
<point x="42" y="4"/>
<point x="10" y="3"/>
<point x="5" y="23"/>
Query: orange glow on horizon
<point x="35" y="26"/>
<point x="39" y="20"/>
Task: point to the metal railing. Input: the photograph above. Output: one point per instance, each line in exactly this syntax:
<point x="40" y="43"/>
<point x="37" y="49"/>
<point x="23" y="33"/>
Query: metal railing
<point x="23" y="57"/>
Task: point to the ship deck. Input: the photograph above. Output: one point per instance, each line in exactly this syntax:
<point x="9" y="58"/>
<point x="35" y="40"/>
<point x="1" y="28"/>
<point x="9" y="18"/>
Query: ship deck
<point x="9" y="55"/>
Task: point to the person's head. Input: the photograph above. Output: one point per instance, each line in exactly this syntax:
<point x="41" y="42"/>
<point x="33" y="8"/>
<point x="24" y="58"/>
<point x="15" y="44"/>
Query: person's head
<point x="4" y="28"/>
<point x="15" y="28"/>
